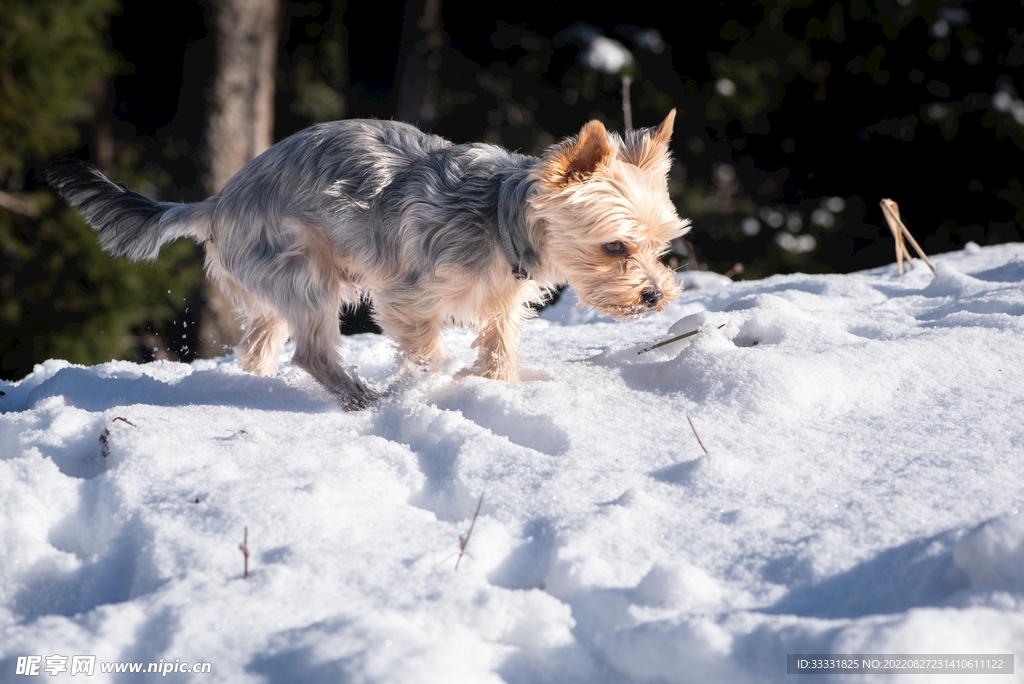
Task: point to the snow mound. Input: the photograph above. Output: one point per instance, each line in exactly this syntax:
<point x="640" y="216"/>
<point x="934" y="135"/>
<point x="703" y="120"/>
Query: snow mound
<point x="830" y="464"/>
<point x="992" y="554"/>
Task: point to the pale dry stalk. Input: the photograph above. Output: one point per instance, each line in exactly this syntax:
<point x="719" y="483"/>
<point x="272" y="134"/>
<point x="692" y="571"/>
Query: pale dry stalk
<point x="891" y="212"/>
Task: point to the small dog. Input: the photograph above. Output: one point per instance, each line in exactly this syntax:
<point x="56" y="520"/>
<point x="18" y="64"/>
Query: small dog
<point x="432" y="233"/>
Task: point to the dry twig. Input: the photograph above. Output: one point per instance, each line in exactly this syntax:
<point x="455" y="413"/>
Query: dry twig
<point x="737" y="269"/>
<point x="673" y="339"/>
<point x="891" y="212"/>
<point x="464" y="539"/>
<point x="18" y="205"/>
<point x="105" y="436"/>
<point x="696" y="435"/>
<point x="244" y="546"/>
<point x="627" y="107"/>
<point x="691" y="256"/>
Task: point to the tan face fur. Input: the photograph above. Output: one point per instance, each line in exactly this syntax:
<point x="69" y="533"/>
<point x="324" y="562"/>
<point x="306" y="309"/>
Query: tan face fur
<point x="608" y="216"/>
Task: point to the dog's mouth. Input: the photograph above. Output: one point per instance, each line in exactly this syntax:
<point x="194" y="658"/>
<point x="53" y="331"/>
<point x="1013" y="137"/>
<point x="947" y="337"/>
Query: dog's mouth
<point x="624" y="312"/>
<point x="629" y="303"/>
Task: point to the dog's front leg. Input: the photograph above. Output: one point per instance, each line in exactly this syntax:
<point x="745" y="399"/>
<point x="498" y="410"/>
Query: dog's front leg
<point x="498" y="342"/>
<point x="418" y="337"/>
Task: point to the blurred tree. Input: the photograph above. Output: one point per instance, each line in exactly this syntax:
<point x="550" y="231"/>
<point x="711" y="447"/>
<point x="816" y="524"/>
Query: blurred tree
<point x="240" y="126"/>
<point x="794" y="117"/>
<point x="60" y="296"/>
<point x="420" y="58"/>
<point x="241" y="118"/>
<point x="53" y="62"/>
<point x="910" y="99"/>
<point x="313" y="68"/>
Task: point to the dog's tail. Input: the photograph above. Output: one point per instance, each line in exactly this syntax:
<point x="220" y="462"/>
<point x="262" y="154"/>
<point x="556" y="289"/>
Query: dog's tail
<point x="128" y="224"/>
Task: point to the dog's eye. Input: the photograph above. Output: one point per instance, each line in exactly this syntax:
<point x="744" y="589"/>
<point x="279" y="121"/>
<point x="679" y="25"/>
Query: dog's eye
<point x="615" y="249"/>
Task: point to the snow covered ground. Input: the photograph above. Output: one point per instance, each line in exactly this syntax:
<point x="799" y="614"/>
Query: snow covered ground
<point x="860" y="495"/>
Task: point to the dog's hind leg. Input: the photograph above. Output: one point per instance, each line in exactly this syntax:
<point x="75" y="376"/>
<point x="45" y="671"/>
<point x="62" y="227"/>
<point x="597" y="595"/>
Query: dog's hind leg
<point x="302" y="283"/>
<point x="264" y="338"/>
<point x="317" y="338"/>
<point x="310" y="296"/>
<point x="265" y="332"/>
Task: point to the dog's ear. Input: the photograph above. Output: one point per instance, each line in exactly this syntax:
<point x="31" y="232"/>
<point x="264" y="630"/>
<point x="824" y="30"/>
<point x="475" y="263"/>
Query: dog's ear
<point x="662" y="135"/>
<point x="576" y="160"/>
<point x="649" y="150"/>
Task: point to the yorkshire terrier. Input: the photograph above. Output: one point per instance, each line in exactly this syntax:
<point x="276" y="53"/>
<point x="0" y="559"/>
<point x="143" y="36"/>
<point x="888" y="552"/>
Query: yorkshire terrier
<point x="432" y="233"/>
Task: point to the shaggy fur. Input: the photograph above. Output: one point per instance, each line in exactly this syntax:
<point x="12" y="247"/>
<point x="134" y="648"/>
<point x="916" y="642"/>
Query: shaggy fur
<point x="432" y="233"/>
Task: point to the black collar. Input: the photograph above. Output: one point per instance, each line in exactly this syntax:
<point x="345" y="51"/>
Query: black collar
<point x="511" y="209"/>
<point x="510" y="251"/>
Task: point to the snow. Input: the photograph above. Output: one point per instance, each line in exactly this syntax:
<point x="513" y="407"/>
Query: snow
<point x="860" y="494"/>
<point x="607" y="55"/>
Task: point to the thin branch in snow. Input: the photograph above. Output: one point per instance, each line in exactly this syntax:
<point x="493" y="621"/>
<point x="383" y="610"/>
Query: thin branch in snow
<point x="891" y="212"/>
<point x="668" y="341"/>
<point x="105" y="436"/>
<point x="464" y="539"/>
<point x="244" y="547"/>
<point x="696" y="435"/>
<point x="673" y="339"/>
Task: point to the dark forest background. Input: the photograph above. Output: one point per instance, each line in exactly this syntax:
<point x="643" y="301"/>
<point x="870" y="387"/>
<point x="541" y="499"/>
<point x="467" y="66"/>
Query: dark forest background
<point x="795" y="119"/>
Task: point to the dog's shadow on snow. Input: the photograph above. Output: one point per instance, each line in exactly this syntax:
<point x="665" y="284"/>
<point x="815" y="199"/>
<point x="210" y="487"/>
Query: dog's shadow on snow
<point x="121" y="570"/>
<point x="320" y="653"/>
<point x="95" y="389"/>
<point x="527" y="565"/>
<point x="918" y="573"/>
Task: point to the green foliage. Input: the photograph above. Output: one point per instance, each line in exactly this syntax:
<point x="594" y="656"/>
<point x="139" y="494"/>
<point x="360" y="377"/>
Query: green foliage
<point x="794" y="118"/>
<point x="62" y="297"/>
<point x="908" y="93"/>
<point x="314" y="68"/>
<point x="754" y="90"/>
<point x="53" y="61"/>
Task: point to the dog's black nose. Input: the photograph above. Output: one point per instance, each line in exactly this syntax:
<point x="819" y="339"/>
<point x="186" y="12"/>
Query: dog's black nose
<point x="651" y="296"/>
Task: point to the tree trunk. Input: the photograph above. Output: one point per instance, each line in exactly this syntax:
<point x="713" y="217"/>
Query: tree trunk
<point x="240" y="127"/>
<point x="418" y="83"/>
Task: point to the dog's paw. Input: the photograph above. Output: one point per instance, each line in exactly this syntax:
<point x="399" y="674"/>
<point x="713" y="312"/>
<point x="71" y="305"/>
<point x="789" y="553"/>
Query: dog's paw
<point x="502" y="372"/>
<point x="358" y="398"/>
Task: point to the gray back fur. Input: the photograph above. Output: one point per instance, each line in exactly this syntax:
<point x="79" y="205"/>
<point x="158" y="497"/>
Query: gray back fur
<point x="385" y="193"/>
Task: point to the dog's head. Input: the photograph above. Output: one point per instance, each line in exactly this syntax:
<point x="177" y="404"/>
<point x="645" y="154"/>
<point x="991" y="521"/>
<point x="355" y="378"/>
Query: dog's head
<point x="608" y="218"/>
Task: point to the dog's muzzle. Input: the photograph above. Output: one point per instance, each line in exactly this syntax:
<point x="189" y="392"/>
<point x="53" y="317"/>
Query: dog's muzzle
<point x="651" y="296"/>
